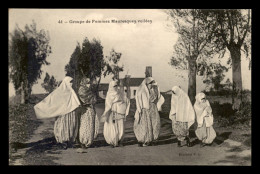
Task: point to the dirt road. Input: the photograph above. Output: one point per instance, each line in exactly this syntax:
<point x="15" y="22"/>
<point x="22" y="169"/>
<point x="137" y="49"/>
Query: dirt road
<point x="41" y="149"/>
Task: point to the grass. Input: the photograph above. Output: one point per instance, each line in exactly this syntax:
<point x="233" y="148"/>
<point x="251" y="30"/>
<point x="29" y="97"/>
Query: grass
<point x="22" y="123"/>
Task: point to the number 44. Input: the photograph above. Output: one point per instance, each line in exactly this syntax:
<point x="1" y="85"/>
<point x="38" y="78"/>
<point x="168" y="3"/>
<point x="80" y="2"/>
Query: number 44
<point x="60" y="21"/>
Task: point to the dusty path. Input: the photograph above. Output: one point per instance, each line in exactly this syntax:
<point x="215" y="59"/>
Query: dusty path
<point x="42" y="150"/>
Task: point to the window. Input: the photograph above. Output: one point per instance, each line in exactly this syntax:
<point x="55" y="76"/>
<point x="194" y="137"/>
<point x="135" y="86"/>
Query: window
<point x="134" y="92"/>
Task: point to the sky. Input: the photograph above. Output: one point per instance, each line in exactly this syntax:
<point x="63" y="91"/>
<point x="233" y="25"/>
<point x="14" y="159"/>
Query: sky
<point x="148" y="43"/>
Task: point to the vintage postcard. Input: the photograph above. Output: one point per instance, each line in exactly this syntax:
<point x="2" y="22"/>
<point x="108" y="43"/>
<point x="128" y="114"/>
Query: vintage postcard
<point x="129" y="87"/>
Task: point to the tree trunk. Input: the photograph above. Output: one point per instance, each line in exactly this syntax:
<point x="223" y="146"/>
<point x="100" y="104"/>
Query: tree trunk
<point x="237" y="76"/>
<point x="192" y="81"/>
<point x="22" y="94"/>
<point x="28" y="91"/>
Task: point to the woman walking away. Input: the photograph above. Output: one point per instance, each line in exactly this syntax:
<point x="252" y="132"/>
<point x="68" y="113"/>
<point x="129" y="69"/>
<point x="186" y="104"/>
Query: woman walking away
<point x="205" y="132"/>
<point x="182" y="115"/>
<point x="116" y="109"/>
<point x="89" y="121"/>
<point x="147" y="119"/>
<point x="61" y="103"/>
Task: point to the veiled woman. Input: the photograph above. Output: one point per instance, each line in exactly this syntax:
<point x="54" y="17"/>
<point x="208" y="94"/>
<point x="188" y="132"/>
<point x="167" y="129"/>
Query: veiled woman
<point x="116" y="109"/>
<point x="61" y="103"/>
<point x="89" y="121"/>
<point x="147" y="120"/>
<point x="205" y="132"/>
<point x="182" y="115"/>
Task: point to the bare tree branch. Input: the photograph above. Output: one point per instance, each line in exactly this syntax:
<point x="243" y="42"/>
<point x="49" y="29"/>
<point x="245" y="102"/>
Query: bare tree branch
<point x="247" y="27"/>
<point x="184" y="43"/>
<point x="231" y="27"/>
<point x="223" y="35"/>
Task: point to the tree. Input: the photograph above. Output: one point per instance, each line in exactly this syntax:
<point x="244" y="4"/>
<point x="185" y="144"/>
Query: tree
<point x="49" y="83"/>
<point x="28" y="51"/>
<point x="215" y="77"/>
<point x="87" y="62"/>
<point x="193" y="44"/>
<point x="72" y="68"/>
<point x="111" y="64"/>
<point x="233" y="32"/>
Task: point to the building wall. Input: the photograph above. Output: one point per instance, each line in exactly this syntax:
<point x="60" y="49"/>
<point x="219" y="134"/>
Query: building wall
<point x="102" y="94"/>
<point x="133" y="90"/>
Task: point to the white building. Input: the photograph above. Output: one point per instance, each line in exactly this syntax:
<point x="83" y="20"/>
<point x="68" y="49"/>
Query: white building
<point x="134" y="83"/>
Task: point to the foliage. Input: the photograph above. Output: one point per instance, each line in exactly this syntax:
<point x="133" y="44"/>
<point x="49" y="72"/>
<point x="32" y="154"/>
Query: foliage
<point x="72" y="68"/>
<point x="28" y="51"/>
<point x="86" y="61"/>
<point x="233" y="29"/>
<point x="194" y="45"/>
<point x="111" y="64"/>
<point x="215" y="76"/>
<point x="194" y="40"/>
<point x="220" y="92"/>
<point x="243" y="115"/>
<point x="49" y="83"/>
<point x="226" y="116"/>
<point x="91" y="61"/>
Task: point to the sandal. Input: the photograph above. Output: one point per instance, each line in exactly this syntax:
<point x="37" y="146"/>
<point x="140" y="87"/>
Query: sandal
<point x="144" y="145"/>
<point x="179" y="143"/>
<point x="188" y="142"/>
<point x="64" y="145"/>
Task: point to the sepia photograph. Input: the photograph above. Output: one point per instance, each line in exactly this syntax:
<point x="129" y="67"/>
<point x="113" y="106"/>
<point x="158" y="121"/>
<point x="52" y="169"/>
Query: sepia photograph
<point x="135" y="87"/>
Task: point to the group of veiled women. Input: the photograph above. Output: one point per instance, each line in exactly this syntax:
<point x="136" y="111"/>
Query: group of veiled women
<point x="78" y="123"/>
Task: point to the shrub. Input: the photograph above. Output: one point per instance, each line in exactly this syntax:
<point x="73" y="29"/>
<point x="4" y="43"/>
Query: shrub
<point x="22" y="122"/>
<point x="243" y="115"/>
<point x="223" y="110"/>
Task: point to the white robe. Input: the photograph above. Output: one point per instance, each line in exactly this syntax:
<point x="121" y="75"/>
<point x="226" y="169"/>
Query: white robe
<point x="142" y="98"/>
<point x="116" y="103"/>
<point x="181" y="107"/>
<point x="203" y="111"/>
<point x="61" y="101"/>
<point x="205" y="131"/>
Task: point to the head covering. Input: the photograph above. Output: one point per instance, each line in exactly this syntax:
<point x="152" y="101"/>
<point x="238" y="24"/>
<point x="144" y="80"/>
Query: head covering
<point x="181" y="106"/>
<point x="122" y="106"/>
<point x="112" y="97"/>
<point x="61" y="101"/>
<point x="86" y="95"/>
<point x="202" y="110"/>
<point x="142" y="97"/>
<point x="149" y="80"/>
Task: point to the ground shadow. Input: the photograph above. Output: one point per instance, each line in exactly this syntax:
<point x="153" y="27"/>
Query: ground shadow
<point x="130" y="141"/>
<point x="99" y="142"/>
<point x="165" y="139"/>
<point x="222" y="137"/>
<point x="37" y="152"/>
<point x="236" y="159"/>
<point x="248" y="142"/>
<point x="46" y="143"/>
